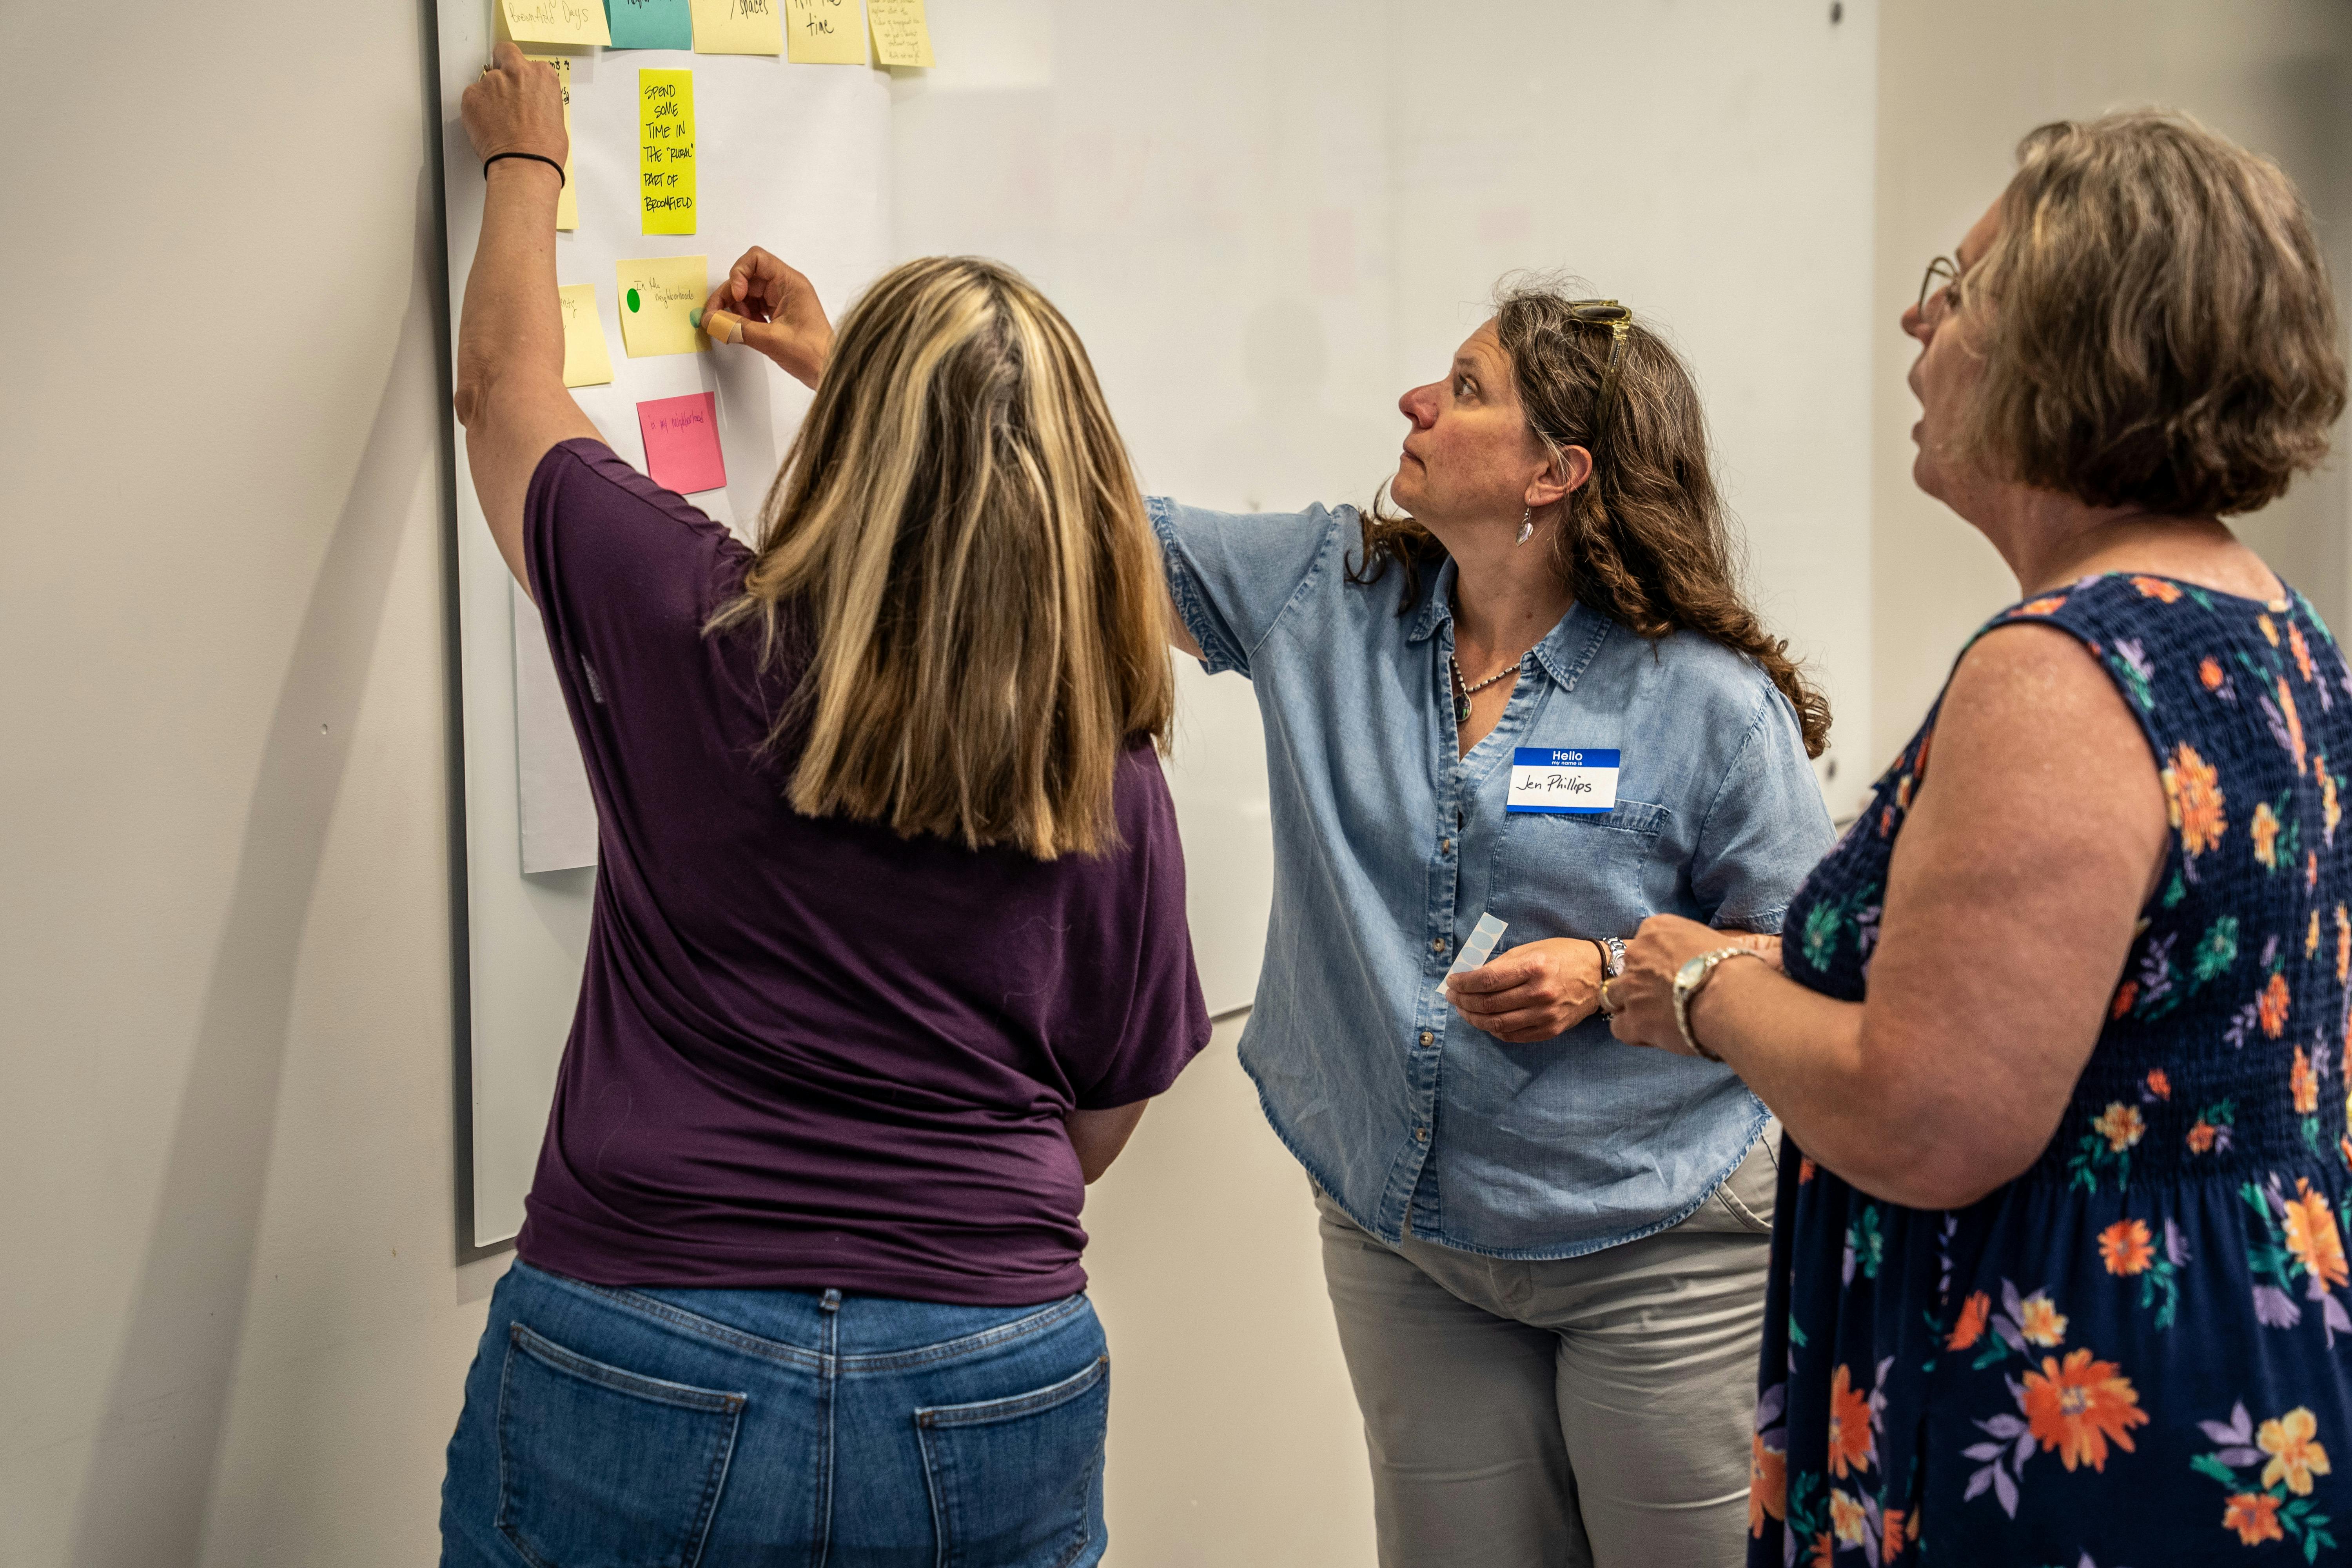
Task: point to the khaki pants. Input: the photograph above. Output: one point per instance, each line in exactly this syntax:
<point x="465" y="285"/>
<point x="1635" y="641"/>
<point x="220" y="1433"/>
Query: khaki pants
<point x="1592" y="1411"/>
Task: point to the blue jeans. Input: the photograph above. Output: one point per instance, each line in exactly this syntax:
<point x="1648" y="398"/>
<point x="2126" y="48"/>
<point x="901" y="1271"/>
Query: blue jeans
<point x="659" y="1428"/>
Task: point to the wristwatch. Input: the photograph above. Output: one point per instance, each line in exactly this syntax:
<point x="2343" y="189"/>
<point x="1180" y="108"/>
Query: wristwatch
<point x="1613" y="965"/>
<point x="1612" y="956"/>
<point x="1690" y="980"/>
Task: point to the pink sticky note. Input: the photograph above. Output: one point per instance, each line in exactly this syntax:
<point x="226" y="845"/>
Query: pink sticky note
<point x="682" y="442"/>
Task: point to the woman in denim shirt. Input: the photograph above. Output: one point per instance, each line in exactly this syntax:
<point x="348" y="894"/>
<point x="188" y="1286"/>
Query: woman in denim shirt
<point x="1546" y="1249"/>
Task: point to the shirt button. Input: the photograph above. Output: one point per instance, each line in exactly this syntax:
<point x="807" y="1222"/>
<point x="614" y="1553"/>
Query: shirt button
<point x="1420" y="1134"/>
<point x="1437" y="944"/>
<point x="1445" y="846"/>
<point x="1426" y="1036"/>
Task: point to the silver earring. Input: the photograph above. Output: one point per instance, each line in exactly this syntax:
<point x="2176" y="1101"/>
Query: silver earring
<point x="1526" y="525"/>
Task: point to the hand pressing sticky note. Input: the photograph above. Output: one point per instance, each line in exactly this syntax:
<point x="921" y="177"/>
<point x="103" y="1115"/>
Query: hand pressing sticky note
<point x="665" y="151"/>
<point x="657" y="296"/>
<point x="901" y="36"/>
<point x="585" y="362"/>
<point x="554" y="21"/>
<point x="825" y="32"/>
<point x="650" y="23"/>
<point x="682" y="442"/>
<point x="738" y="27"/>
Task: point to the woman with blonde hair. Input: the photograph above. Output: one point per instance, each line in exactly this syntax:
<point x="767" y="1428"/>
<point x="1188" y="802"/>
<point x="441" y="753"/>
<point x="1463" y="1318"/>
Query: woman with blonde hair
<point x="889" y="949"/>
<point x="2059" y="1033"/>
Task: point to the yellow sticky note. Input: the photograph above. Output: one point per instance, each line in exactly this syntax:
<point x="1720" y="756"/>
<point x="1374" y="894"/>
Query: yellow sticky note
<point x="825" y="32"/>
<point x="656" y="296"/>
<point x="554" y="21"/>
<point x="901" y="36"/>
<point x="665" y="151"/>
<point x="738" y="27"/>
<point x="562" y="66"/>
<point x="585" y="360"/>
<point x="567" y="205"/>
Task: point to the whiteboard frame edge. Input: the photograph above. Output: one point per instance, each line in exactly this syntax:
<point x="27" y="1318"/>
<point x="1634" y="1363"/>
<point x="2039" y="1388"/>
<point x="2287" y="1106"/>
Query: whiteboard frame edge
<point x="465" y="1248"/>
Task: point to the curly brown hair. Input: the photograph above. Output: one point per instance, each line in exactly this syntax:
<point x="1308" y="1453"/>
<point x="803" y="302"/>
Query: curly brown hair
<point x="1646" y="541"/>
<point x="2156" y="320"/>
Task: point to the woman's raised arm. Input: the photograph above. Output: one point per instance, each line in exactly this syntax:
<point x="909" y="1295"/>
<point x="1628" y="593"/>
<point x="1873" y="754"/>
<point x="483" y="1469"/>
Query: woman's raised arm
<point x="511" y="393"/>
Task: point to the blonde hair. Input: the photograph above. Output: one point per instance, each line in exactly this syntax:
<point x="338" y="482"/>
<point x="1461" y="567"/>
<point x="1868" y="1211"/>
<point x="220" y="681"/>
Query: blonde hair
<point x="956" y="542"/>
<point x="2157" y="321"/>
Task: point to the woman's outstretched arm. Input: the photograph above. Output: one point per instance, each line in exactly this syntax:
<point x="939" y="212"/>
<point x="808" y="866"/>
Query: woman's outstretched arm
<point x="2011" y="903"/>
<point x="511" y="393"/>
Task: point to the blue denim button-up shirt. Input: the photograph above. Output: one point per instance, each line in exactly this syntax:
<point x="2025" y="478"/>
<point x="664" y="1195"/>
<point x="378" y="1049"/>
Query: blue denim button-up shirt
<point x="1388" y="847"/>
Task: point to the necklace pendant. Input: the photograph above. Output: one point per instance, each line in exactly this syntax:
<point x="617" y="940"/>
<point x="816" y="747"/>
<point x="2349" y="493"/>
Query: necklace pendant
<point x="1461" y="711"/>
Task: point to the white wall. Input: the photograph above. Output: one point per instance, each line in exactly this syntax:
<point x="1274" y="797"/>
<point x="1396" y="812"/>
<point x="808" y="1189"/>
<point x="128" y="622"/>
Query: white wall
<point x="1235" y="1439"/>
<point x="1267" y="220"/>
<point x="230" y="1330"/>
<point x="1970" y="81"/>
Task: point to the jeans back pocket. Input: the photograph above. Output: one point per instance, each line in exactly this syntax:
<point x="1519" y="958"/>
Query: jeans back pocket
<point x="1011" y="1478"/>
<point x="599" y="1467"/>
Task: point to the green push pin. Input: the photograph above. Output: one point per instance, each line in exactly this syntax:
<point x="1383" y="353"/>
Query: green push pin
<point x="694" y="316"/>
<point x="633" y="301"/>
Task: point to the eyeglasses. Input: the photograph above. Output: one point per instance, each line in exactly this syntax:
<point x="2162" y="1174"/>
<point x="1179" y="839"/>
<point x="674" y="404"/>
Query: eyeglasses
<point x="1619" y="320"/>
<point x="1945" y="272"/>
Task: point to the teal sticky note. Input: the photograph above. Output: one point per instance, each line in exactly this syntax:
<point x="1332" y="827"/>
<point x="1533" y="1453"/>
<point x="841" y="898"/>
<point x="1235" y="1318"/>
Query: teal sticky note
<point x="650" y="23"/>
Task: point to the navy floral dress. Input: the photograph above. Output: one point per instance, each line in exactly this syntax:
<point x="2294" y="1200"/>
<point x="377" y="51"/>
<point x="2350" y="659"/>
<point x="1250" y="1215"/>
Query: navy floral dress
<point x="2128" y="1355"/>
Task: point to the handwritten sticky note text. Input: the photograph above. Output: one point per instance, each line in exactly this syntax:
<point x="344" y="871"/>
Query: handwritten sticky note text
<point x="585" y="360"/>
<point x="665" y="151"/>
<point x="825" y="32"/>
<point x="738" y="27"/>
<point x="554" y="21"/>
<point x="657" y="296"/>
<point x="682" y="442"/>
<point x="650" y="23"/>
<point x="901" y="34"/>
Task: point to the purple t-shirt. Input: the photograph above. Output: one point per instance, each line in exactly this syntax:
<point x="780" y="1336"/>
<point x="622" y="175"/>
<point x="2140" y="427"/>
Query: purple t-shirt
<point x="810" y="1052"/>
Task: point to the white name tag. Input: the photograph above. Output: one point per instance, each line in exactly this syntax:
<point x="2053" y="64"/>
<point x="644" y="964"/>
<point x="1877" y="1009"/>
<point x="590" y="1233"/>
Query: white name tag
<point x="1563" y="780"/>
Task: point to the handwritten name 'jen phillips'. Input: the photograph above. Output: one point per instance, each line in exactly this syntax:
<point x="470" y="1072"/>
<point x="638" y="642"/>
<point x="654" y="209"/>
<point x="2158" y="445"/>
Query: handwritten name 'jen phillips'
<point x="1553" y="784"/>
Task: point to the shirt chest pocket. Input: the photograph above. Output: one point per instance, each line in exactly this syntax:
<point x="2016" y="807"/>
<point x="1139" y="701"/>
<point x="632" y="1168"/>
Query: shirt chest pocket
<point x="1578" y="876"/>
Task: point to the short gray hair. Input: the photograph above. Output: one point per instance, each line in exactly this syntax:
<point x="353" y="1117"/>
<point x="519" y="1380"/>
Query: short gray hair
<point x="2158" y="323"/>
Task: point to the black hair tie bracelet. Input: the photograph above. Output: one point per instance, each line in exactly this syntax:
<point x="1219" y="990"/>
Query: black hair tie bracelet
<point x="534" y="157"/>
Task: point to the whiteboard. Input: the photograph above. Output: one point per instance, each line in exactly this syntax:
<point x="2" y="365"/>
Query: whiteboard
<point x="797" y="158"/>
<point x="1266" y="218"/>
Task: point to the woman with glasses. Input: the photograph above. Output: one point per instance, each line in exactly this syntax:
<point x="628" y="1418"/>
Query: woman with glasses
<point x="2058" y="1032"/>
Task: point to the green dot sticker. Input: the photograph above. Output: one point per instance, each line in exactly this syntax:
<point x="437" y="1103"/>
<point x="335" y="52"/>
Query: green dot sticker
<point x="632" y="302"/>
